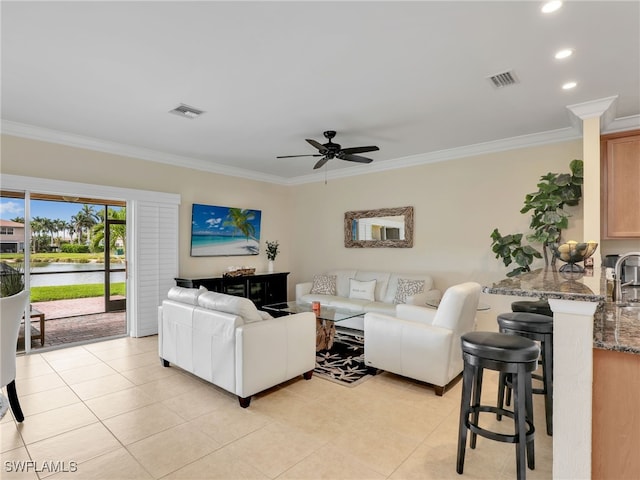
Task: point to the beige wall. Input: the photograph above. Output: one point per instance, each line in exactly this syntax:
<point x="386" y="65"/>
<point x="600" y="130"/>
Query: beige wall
<point x="40" y="159"/>
<point x="456" y="204"/>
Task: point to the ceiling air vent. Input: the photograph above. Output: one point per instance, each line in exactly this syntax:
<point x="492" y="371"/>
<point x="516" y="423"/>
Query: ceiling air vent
<point x="504" y="79"/>
<point x="187" y="111"/>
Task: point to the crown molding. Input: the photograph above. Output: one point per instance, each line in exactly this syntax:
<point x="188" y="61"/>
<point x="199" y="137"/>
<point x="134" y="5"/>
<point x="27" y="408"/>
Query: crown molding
<point x="605" y="108"/>
<point x="523" y="141"/>
<point x="63" y="138"/>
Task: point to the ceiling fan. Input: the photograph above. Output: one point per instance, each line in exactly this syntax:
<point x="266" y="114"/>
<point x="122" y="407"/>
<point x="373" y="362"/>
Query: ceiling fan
<point x="331" y="150"/>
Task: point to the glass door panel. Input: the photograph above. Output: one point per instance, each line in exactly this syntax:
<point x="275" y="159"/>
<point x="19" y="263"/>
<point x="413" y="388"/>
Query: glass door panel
<point x="115" y="262"/>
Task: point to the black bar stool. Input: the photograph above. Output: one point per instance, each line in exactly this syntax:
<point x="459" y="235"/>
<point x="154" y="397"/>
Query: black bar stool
<point x="511" y="354"/>
<point x="539" y="328"/>
<point x="538" y="306"/>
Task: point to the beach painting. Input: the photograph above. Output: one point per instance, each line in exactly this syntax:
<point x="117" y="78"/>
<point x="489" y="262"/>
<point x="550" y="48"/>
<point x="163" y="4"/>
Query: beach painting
<point x="224" y="231"/>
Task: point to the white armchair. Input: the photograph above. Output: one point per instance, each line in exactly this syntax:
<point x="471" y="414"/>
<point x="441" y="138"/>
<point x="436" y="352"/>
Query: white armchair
<point x="11" y="312"/>
<point x="423" y="343"/>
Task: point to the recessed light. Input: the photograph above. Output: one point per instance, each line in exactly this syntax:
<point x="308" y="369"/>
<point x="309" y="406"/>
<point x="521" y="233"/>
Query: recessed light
<point x="569" y="85"/>
<point x="567" y="52"/>
<point x="551" y="6"/>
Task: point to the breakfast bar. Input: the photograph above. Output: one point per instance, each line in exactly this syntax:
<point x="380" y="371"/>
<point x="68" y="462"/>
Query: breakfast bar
<point x="587" y="324"/>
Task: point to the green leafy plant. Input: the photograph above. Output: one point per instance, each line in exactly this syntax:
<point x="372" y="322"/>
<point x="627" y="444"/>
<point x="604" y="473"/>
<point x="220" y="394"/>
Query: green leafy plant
<point x="11" y="279"/>
<point x="272" y="249"/>
<point x="510" y="249"/>
<point x="548" y="219"/>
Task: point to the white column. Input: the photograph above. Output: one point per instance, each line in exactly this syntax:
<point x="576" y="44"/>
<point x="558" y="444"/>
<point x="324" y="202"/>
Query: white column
<point x="591" y="117"/>
<point x="572" y="387"/>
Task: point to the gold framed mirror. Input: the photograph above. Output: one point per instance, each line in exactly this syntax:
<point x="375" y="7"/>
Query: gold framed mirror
<point x="381" y="228"/>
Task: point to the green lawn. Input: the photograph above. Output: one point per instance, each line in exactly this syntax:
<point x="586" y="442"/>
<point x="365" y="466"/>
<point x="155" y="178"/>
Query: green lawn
<point x="66" y="292"/>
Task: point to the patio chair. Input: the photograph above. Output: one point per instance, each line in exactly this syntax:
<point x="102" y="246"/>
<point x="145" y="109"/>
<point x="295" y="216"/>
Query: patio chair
<point x="11" y="311"/>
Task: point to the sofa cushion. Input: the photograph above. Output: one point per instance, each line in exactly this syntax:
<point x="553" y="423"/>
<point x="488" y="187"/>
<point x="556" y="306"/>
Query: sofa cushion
<point x="381" y="278"/>
<point x="185" y="295"/>
<point x="406" y="288"/>
<point x="324" y="284"/>
<point x="362" y="290"/>
<point x="342" y="281"/>
<point x="243" y="307"/>
<point x="393" y="284"/>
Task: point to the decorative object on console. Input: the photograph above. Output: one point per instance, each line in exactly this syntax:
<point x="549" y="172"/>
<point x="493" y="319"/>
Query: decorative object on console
<point x="238" y="271"/>
<point x="272" y="253"/>
<point x="573" y="252"/>
<point x="382" y="228"/>
<point x="224" y="231"/>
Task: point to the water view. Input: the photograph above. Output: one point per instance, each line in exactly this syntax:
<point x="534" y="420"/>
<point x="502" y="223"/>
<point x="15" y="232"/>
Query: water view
<point x="75" y="274"/>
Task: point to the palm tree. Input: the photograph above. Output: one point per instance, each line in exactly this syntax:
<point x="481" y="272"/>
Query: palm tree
<point x="118" y="232"/>
<point x="240" y="220"/>
<point x="37" y="226"/>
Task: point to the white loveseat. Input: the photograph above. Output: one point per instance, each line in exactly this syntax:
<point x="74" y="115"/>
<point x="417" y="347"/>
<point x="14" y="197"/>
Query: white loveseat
<point x="368" y="291"/>
<point x="225" y="340"/>
<point x="423" y="343"/>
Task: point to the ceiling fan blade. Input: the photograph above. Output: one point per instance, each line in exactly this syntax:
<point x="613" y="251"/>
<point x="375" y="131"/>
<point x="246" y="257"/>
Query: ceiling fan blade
<point x="321" y="163"/>
<point x="321" y="148"/>
<point x="354" y="158"/>
<point x="360" y="149"/>
<point x="293" y="156"/>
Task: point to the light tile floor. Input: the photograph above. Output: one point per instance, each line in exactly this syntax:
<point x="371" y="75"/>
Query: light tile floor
<point x="109" y="410"/>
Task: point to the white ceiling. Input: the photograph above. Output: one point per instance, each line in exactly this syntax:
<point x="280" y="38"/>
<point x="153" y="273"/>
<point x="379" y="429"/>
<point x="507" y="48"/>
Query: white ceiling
<point x="409" y="77"/>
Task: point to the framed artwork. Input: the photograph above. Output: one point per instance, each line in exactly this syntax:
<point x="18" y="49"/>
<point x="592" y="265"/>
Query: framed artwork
<point x="224" y="231"/>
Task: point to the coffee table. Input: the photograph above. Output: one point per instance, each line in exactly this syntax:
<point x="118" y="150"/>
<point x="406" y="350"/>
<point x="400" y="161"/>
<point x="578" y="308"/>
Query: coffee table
<point x="326" y="319"/>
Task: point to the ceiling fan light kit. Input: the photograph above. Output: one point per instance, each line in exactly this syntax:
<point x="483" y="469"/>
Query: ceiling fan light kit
<point x="330" y="150"/>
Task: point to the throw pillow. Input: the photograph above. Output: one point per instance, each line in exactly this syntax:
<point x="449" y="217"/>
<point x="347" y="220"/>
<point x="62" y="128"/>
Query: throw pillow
<point x="406" y="288"/>
<point x="362" y="290"/>
<point x="324" y="284"/>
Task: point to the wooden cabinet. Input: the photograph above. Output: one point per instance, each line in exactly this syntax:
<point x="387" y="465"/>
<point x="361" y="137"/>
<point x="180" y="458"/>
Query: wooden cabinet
<point x="261" y="289"/>
<point x="616" y="416"/>
<point x="620" y="180"/>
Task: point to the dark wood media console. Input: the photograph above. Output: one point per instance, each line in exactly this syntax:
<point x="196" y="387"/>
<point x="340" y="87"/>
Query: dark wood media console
<point x="260" y="288"/>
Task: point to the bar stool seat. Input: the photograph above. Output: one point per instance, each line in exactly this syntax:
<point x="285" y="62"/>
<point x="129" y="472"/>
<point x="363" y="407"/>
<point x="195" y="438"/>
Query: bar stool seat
<point x="539" y="328"/>
<point x="508" y="354"/>
<point x="538" y="306"/>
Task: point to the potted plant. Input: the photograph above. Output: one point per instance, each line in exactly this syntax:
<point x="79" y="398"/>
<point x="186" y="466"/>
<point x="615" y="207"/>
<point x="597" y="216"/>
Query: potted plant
<point x="11" y="279"/>
<point x="272" y="252"/>
<point x="548" y="219"/>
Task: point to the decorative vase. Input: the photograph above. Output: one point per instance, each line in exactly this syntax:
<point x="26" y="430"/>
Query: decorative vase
<point x="270" y="266"/>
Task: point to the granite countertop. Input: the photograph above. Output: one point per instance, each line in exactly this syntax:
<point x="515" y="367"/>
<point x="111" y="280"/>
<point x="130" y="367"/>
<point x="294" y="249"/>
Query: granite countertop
<point x="615" y="327"/>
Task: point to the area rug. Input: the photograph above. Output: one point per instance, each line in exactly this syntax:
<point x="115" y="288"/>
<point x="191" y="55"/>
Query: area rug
<point x="343" y="363"/>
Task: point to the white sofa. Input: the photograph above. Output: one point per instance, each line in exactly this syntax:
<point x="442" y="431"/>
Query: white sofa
<point x="225" y="340"/>
<point x="382" y="298"/>
<point x="423" y="343"/>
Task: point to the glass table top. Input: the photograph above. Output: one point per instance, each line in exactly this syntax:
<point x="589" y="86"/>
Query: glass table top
<point x="326" y="313"/>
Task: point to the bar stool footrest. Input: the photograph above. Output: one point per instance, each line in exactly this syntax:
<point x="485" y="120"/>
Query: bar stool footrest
<point x="500" y="437"/>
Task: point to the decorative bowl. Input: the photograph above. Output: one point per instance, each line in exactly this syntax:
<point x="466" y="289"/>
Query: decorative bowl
<point x="573" y="252"/>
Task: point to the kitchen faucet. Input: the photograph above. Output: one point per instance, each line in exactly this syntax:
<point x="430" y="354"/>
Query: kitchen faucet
<point x="617" y="293"/>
